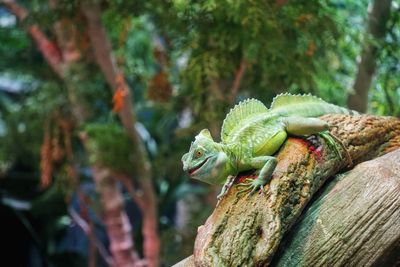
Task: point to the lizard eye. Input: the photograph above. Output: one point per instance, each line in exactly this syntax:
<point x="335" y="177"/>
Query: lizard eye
<point x="199" y="153"/>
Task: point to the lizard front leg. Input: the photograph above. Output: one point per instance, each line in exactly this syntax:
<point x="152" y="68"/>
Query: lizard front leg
<point x="266" y="165"/>
<point x="225" y="188"/>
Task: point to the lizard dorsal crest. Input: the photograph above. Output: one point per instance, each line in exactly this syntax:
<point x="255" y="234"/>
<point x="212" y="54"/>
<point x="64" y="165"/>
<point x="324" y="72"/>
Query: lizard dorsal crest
<point x="237" y="116"/>
<point x="285" y="100"/>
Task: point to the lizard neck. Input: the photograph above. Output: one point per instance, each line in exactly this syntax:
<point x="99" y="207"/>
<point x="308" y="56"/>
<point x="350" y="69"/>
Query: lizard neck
<point x="232" y="164"/>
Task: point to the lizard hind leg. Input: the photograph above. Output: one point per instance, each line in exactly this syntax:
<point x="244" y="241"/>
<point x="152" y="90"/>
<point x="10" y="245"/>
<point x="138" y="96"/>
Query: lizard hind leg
<point x="307" y="126"/>
<point x="333" y="141"/>
<point x="304" y="126"/>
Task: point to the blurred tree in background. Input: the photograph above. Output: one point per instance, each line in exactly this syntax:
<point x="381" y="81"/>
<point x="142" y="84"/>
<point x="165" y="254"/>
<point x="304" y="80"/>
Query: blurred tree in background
<point x="100" y="99"/>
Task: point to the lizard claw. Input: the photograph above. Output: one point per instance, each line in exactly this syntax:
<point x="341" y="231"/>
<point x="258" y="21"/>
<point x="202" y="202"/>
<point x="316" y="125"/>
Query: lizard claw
<point x="251" y="186"/>
<point x="220" y="196"/>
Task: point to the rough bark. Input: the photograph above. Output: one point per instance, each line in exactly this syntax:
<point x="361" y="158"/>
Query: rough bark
<point x="355" y="222"/>
<point x="246" y="231"/>
<point x="377" y="29"/>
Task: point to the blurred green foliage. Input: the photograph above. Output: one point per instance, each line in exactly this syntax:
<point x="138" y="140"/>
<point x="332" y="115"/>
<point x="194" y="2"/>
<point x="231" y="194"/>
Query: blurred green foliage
<point x="297" y="46"/>
<point x="110" y="146"/>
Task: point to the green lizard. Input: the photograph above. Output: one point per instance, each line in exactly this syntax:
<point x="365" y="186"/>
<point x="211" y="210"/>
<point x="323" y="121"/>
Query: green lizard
<point x="251" y="133"/>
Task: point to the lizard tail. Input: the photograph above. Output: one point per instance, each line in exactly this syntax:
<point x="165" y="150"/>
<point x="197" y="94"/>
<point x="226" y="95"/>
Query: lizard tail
<point x="305" y="106"/>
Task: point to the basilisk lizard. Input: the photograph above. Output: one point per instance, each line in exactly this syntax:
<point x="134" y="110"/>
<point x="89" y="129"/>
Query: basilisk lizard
<point x="251" y="133"/>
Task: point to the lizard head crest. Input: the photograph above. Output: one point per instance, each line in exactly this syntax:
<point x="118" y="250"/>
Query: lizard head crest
<point x="205" y="160"/>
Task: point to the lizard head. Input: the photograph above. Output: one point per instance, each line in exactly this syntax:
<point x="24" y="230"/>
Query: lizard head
<point x="205" y="160"/>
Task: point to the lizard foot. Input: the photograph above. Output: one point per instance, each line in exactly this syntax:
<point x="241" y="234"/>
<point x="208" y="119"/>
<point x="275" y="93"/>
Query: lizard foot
<point x="225" y="188"/>
<point x="333" y="141"/>
<point x="251" y="186"/>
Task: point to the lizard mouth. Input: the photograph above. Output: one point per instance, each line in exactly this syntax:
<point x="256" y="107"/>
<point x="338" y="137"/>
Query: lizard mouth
<point x="195" y="169"/>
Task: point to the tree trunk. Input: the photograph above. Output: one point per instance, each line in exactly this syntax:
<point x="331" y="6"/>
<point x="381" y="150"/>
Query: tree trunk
<point x="107" y="63"/>
<point x="355" y="222"/>
<point x="115" y="218"/>
<point x="377" y="29"/>
<point x="246" y="231"/>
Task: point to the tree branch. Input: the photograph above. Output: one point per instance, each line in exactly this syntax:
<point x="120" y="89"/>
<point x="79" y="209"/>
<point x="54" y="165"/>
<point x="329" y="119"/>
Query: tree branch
<point x="115" y="218"/>
<point x="377" y="21"/>
<point x="49" y="49"/>
<point x="236" y="82"/>
<point x="117" y="223"/>
<point x="107" y="63"/>
<point x="247" y="230"/>
<point x="86" y="228"/>
<point x="353" y="222"/>
<point x="115" y="78"/>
